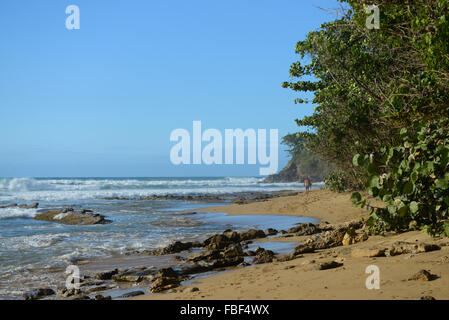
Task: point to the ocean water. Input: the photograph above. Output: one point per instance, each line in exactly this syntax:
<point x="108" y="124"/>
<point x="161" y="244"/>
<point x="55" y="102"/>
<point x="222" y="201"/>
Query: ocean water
<point x="30" y="250"/>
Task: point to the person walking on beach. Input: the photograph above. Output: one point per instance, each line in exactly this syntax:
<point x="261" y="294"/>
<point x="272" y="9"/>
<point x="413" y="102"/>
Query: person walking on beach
<point x="307" y="184"/>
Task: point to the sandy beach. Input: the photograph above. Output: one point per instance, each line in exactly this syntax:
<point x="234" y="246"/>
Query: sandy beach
<point x="300" y="278"/>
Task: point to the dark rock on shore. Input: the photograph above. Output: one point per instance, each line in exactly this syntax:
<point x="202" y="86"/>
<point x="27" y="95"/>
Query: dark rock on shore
<point x="165" y="279"/>
<point x="427" y="298"/>
<point x="217" y="255"/>
<point x="423" y="275"/>
<point x="402" y="247"/>
<point x="135" y="275"/>
<point x="328" y="239"/>
<point x="304" y="229"/>
<point x="107" y="275"/>
<point x="65" y="293"/>
<point x="252" y="234"/>
<point x="328" y="265"/>
<point x="38" y="293"/>
<point x="175" y="247"/>
<point x="263" y="256"/>
<point x="271" y="232"/>
<point x="219" y="241"/>
<point x="70" y="216"/>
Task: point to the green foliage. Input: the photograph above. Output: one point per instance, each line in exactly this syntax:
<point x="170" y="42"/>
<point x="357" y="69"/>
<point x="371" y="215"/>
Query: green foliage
<point x="347" y="119"/>
<point x="417" y="188"/>
<point x="382" y="95"/>
<point x="338" y="181"/>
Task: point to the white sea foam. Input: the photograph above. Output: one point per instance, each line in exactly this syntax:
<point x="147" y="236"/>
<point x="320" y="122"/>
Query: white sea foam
<point x="34" y="241"/>
<point x="29" y="189"/>
<point x="15" y="212"/>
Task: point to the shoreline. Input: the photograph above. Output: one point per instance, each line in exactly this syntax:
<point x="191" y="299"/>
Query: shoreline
<point x="322" y="204"/>
<point x="299" y="278"/>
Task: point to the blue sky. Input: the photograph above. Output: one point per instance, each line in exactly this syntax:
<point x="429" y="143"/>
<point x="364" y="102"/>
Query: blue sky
<point x="102" y="100"/>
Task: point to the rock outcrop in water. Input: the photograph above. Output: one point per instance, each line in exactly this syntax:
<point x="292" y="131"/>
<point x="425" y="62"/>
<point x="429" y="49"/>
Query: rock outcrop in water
<point x="70" y="216"/>
<point x="238" y="198"/>
<point x="23" y="206"/>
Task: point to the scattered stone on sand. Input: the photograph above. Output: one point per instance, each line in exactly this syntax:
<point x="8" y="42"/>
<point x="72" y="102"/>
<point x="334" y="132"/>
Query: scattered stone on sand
<point x="38" y="293"/>
<point x="367" y="253"/>
<point x="101" y="297"/>
<point x="423" y="275"/>
<point x="327" y="239"/>
<point x="70" y="216"/>
<point x="401" y="247"/>
<point x="351" y="238"/>
<point x="194" y="289"/>
<point x="427" y="298"/>
<point x="328" y="265"/>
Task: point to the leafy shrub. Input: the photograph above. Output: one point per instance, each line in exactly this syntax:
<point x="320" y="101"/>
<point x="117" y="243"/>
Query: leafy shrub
<point x="338" y="181"/>
<point x="412" y="180"/>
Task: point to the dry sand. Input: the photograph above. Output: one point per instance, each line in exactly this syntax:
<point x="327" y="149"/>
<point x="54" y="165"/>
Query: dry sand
<point x="299" y="279"/>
